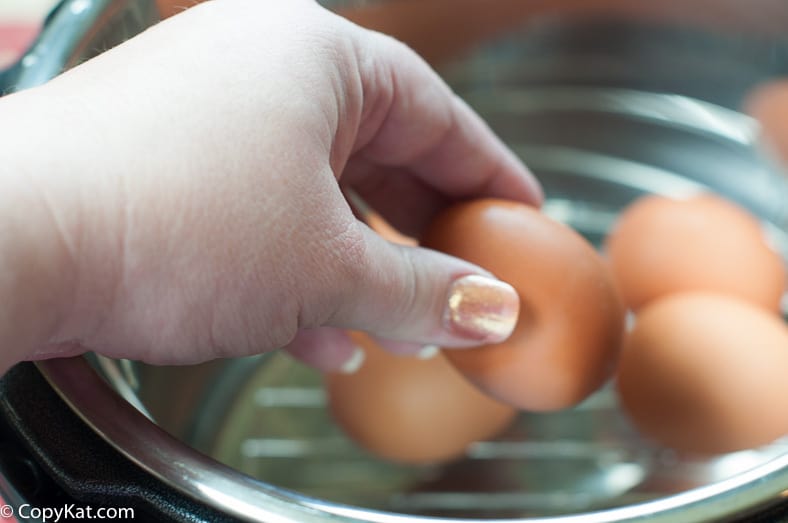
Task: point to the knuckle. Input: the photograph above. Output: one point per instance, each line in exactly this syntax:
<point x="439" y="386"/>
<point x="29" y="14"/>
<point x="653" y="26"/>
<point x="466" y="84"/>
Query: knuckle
<point x="349" y="248"/>
<point x="410" y="285"/>
<point x="338" y="270"/>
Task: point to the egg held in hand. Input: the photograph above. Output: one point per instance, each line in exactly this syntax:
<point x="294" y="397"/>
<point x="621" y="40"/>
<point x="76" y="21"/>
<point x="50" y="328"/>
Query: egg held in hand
<point x="661" y="246"/>
<point x="706" y="373"/>
<point x="412" y="410"/>
<point x="571" y="324"/>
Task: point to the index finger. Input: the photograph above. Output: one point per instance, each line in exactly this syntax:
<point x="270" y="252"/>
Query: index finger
<point x="414" y="122"/>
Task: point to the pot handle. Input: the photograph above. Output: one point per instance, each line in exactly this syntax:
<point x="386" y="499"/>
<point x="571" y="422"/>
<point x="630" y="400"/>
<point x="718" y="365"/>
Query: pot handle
<point x="49" y="457"/>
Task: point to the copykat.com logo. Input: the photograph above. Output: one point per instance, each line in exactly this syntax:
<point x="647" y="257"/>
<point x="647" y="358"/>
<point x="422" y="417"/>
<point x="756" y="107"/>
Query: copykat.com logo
<point x="67" y="512"/>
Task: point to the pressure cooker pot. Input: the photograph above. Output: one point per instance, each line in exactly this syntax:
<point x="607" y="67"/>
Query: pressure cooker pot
<point x="606" y="101"/>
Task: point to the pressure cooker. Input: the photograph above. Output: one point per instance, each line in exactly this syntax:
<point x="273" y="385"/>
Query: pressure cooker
<point x="607" y="100"/>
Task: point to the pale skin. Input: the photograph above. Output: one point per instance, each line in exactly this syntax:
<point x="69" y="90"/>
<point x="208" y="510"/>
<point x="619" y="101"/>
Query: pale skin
<point x="180" y="198"/>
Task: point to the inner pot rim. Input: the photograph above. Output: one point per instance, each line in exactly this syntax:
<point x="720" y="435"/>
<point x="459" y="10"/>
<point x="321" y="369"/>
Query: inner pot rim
<point x="192" y="473"/>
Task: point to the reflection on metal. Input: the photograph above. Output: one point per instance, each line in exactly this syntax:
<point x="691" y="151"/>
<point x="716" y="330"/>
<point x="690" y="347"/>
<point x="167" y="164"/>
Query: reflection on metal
<point x="595" y="219"/>
<point x="552" y="450"/>
<point x="116" y="372"/>
<point x="618" y="479"/>
<point x="290" y="448"/>
<point x="731" y="464"/>
<point x="292" y="397"/>
<point x="60" y="44"/>
<point x="223" y="495"/>
<point x="499" y="501"/>
<point x="127" y="368"/>
<point x="618" y="172"/>
<point x="678" y="112"/>
<point x="79" y="6"/>
<point x="614" y="468"/>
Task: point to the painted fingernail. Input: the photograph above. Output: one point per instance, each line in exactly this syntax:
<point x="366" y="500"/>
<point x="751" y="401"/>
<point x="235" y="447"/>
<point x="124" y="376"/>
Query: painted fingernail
<point x="428" y="352"/>
<point x="482" y="308"/>
<point x="354" y="363"/>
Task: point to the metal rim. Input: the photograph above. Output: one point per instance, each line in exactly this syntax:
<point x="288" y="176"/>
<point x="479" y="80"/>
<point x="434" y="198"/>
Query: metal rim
<point x="206" y="480"/>
<point x="225" y="489"/>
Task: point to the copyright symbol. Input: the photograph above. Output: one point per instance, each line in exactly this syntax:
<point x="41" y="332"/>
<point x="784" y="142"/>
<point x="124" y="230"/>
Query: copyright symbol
<point x="6" y="511"/>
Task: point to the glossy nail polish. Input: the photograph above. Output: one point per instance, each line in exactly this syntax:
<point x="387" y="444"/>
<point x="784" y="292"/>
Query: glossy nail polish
<point x="482" y="308"/>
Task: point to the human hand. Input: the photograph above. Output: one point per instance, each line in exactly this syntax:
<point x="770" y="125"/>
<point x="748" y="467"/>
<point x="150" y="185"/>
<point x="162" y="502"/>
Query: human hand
<point x="190" y="203"/>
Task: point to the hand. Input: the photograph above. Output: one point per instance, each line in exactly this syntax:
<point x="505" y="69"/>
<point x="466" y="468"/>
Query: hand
<point x="183" y="193"/>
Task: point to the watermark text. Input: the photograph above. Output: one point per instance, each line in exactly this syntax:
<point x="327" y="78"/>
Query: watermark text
<point x="67" y="512"/>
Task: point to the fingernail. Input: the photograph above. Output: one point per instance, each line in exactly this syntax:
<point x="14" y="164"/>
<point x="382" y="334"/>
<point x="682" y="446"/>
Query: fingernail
<point x="428" y="352"/>
<point x="482" y="308"/>
<point x="355" y="362"/>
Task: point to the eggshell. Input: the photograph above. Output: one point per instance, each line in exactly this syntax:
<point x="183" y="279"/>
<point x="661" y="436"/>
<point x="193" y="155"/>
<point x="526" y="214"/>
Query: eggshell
<point x="571" y="321"/>
<point x="706" y="373"/>
<point x="705" y="243"/>
<point x="409" y="410"/>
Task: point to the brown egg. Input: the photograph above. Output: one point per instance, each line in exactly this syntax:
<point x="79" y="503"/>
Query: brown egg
<point x="705" y="243"/>
<point x="706" y="373"/>
<point x="571" y="317"/>
<point x="411" y="410"/>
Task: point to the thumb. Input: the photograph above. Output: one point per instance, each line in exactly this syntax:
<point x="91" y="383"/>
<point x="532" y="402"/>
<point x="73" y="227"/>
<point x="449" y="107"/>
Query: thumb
<point x="422" y="296"/>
